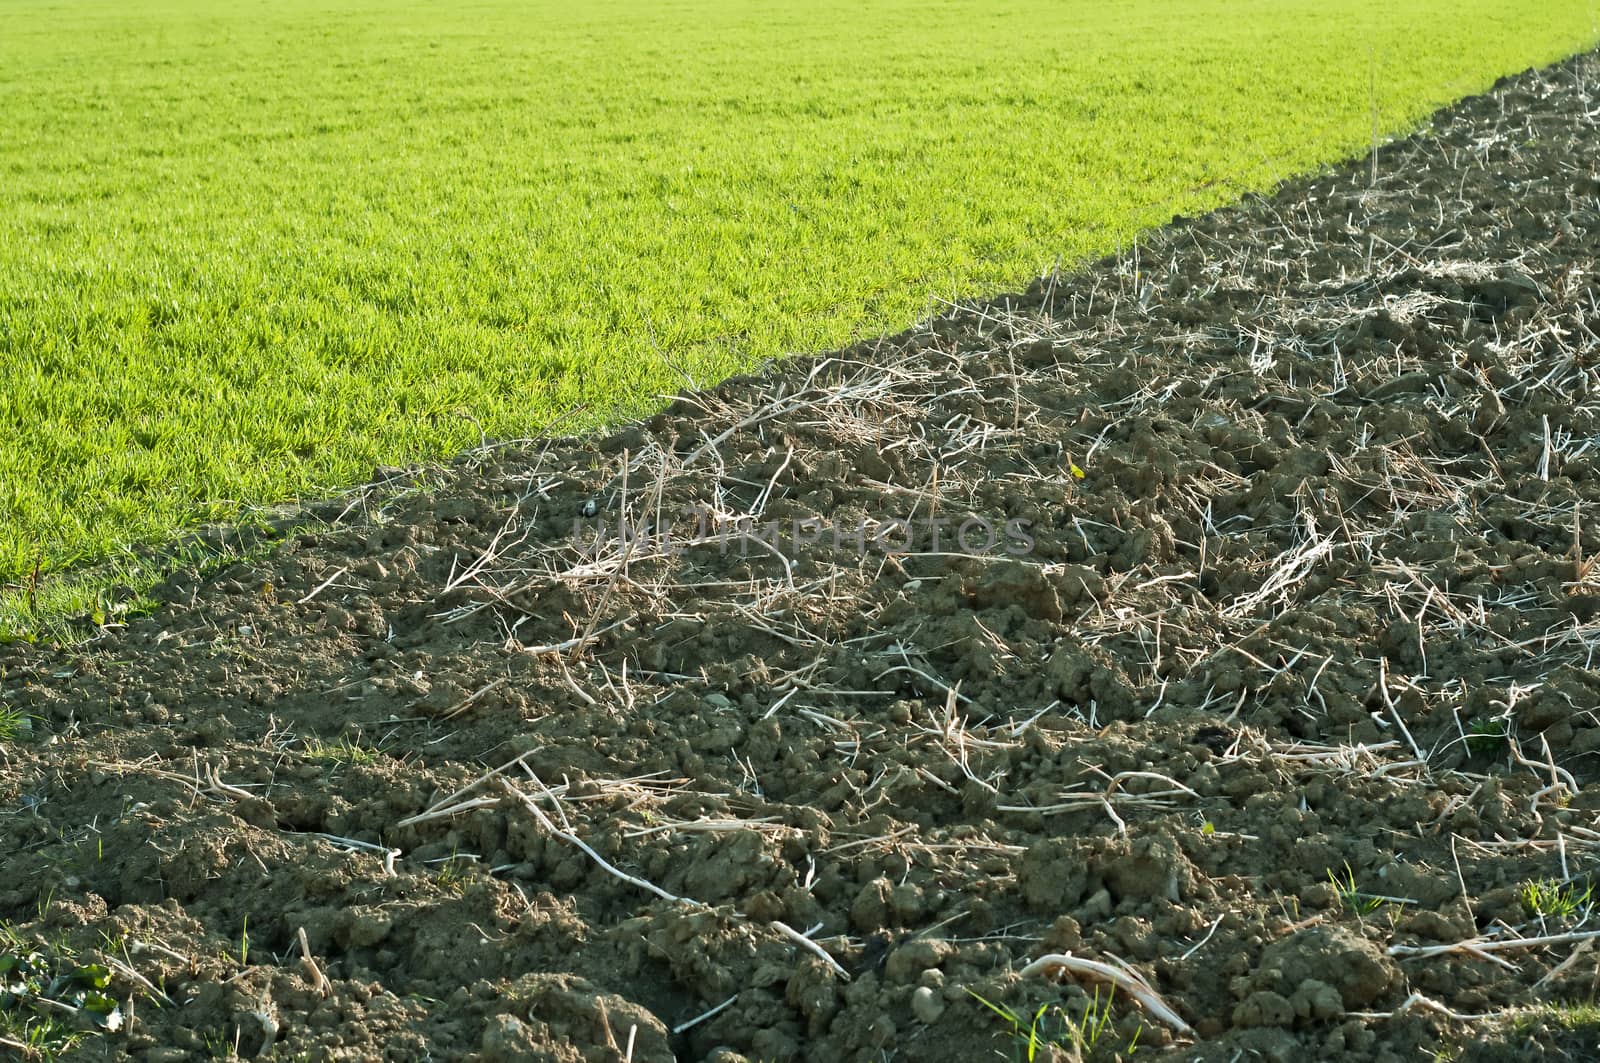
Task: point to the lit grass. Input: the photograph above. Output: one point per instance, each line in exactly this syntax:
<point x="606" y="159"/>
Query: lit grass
<point x="1547" y="898"/>
<point x="1571" y="1015"/>
<point x="83" y="600"/>
<point x="1355" y="899"/>
<point x="343" y="750"/>
<point x="1556" y="1029"/>
<point x="48" y="1002"/>
<point x="59" y="609"/>
<point x="13" y="725"/>
<point x="1051" y="1027"/>
<point x="249" y="251"/>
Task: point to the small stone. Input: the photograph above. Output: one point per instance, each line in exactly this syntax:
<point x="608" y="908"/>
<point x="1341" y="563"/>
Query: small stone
<point x="1096" y="909"/>
<point x="926" y="1005"/>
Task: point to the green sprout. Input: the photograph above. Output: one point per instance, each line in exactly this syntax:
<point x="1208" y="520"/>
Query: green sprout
<point x="1080" y="1035"/>
<point x="13" y="724"/>
<point x="1354" y="899"/>
<point x="1549" y="899"/>
<point x="452" y="873"/>
<point x="1487" y="737"/>
<point x="343" y="750"/>
<point x="39" y="985"/>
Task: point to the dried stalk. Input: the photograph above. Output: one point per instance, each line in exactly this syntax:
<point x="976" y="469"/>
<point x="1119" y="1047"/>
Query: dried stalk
<point x="1123" y="978"/>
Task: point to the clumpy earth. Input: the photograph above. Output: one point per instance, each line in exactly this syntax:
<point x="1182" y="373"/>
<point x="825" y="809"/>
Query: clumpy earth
<point x="1223" y="614"/>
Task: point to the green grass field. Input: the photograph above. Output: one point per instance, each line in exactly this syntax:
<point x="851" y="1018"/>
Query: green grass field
<point x="248" y="250"/>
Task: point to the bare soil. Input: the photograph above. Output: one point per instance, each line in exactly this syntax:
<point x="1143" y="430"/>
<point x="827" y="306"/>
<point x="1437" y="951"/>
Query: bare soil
<point x="1281" y="694"/>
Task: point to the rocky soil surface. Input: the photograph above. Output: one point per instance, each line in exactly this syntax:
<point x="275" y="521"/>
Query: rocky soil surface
<point x="1220" y="620"/>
